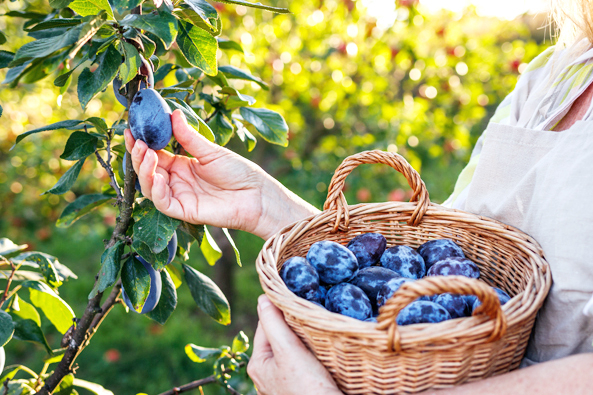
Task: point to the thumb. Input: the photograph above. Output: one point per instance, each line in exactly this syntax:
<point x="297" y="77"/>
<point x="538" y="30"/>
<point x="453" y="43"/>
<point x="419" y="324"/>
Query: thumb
<point x="192" y="141"/>
<point x="281" y="338"/>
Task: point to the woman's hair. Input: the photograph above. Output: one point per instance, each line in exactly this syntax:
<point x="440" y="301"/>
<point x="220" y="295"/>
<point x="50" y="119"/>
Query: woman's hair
<point x="573" y="20"/>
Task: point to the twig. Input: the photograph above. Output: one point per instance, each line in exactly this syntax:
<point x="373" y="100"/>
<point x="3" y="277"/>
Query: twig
<point x="9" y="281"/>
<point x="202" y="382"/>
<point x="109" y="170"/>
<point x="211" y="116"/>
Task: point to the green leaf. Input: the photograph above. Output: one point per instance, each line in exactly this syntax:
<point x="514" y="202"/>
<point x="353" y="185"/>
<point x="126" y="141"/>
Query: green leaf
<point x="7" y="247"/>
<point x="89" y="84"/>
<point x="91" y="7"/>
<point x="98" y="123"/>
<point x="223" y="130"/>
<point x="167" y="302"/>
<point x="158" y="261"/>
<point x="110" y="266"/>
<point x="28" y="330"/>
<point x="46" y="267"/>
<point x="63" y="271"/>
<point x="269" y="124"/>
<point x="236" y="98"/>
<point x="57" y="4"/>
<point x="79" y="146"/>
<point x="163" y="25"/>
<point x="80" y="207"/>
<point x="224" y="43"/>
<point x="200" y="13"/>
<point x="54" y="126"/>
<point x="15" y="369"/>
<point x="232" y="243"/>
<point x="136" y="282"/>
<point x="240" y="343"/>
<point x="24" y="310"/>
<point x="196" y="231"/>
<point x="175" y="275"/>
<point x="129" y="68"/>
<point x="209" y="248"/>
<point x="57" y="357"/>
<point x="55" y="308"/>
<point x="153" y="227"/>
<point x="54" y="23"/>
<point x="6" y="328"/>
<point x="235" y="73"/>
<point x="192" y="118"/>
<point x="201" y="354"/>
<point x="208" y="297"/>
<point x="66" y="386"/>
<point x="46" y="46"/>
<point x="163" y="71"/>
<point x="5" y="58"/>
<point x="198" y="47"/>
<point x="92" y="387"/>
<point x="67" y="180"/>
<point x="244" y="135"/>
<point x="256" y="5"/>
<point x="2" y="38"/>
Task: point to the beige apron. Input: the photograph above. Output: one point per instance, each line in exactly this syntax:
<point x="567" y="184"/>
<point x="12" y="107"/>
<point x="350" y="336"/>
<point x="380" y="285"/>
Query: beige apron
<point x="542" y="183"/>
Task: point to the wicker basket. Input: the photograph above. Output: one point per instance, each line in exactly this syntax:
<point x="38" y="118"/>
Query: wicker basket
<point x="367" y="358"/>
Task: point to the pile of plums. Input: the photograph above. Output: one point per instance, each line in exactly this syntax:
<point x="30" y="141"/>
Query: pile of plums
<point x="357" y="279"/>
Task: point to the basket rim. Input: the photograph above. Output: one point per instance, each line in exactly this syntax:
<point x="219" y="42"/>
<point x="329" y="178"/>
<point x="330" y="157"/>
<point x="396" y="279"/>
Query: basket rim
<point x="311" y="315"/>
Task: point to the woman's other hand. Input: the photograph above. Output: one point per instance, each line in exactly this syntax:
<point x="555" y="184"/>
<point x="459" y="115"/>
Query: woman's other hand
<point x="216" y="187"/>
<point x="281" y="364"/>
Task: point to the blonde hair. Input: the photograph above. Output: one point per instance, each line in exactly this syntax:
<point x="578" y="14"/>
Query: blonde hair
<point x="573" y="20"/>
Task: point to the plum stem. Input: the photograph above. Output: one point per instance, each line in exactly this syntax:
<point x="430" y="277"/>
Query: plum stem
<point x="14" y="268"/>
<point x="205" y="381"/>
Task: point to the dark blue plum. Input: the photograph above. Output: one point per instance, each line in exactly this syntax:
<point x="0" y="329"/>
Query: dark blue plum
<point x="155" y="289"/>
<point x="121" y="98"/>
<point x="454" y="267"/>
<point x="420" y="312"/>
<point x="371" y="279"/>
<point x="470" y="300"/>
<point x="349" y="300"/>
<point x="124" y="168"/>
<point x="320" y="295"/>
<point x="334" y="262"/>
<point x="435" y="250"/>
<point x="503" y="297"/>
<point x="390" y="287"/>
<point x="404" y="261"/>
<point x="300" y="277"/>
<point x="367" y="248"/>
<point x="150" y="119"/>
<point x="172" y="248"/>
<point x="455" y="304"/>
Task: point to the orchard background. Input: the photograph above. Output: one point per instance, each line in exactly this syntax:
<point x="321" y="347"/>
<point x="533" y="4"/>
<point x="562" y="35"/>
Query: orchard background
<point x="422" y="85"/>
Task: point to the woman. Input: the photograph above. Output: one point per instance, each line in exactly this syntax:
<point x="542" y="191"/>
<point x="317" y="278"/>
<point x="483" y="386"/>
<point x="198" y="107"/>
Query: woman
<point x="532" y="168"/>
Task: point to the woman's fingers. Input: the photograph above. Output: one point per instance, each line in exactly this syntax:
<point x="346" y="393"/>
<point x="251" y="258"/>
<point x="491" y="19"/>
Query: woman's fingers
<point x="145" y="169"/>
<point x="192" y="141"/>
<point x="262" y="355"/>
<point x="282" y="339"/>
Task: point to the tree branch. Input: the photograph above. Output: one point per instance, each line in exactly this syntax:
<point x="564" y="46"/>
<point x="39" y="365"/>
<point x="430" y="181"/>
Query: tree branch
<point x="202" y="382"/>
<point x="109" y="170"/>
<point x="9" y="281"/>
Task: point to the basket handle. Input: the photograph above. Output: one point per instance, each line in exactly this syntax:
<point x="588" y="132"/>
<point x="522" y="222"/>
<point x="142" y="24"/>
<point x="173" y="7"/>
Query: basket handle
<point x="335" y="198"/>
<point x="428" y="286"/>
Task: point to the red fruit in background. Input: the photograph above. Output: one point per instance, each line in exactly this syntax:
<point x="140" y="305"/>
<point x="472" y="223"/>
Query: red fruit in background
<point x="450" y="51"/>
<point x="394" y="52"/>
<point x="290" y="154"/>
<point x="397" y="195"/>
<point x="315" y="101"/>
<point x="219" y="7"/>
<point x="408" y="3"/>
<point x="441" y="32"/>
<point x="349" y="4"/>
<point x="109" y="220"/>
<point x="342" y="48"/>
<point x="155" y="329"/>
<point x="112" y="355"/>
<point x="43" y="233"/>
<point x="515" y="65"/>
<point x="363" y="195"/>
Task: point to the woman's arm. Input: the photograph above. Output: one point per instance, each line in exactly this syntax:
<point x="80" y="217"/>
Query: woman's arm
<point x="216" y="187"/>
<point x="282" y="365"/>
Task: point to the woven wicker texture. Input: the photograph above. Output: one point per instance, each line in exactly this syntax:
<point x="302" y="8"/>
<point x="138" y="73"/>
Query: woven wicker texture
<point x="383" y="358"/>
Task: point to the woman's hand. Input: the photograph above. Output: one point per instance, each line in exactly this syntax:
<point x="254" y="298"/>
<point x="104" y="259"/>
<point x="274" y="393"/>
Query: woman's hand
<point x="281" y="364"/>
<point x="216" y="187"/>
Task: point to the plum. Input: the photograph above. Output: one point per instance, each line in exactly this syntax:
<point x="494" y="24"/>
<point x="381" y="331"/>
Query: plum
<point x="155" y="289"/>
<point x="405" y="261"/>
<point x="435" y="250"/>
<point x="503" y="297"/>
<point x="334" y="262"/>
<point x="367" y="248"/>
<point x="454" y="266"/>
<point x="320" y="295"/>
<point x="420" y="311"/>
<point x="150" y="119"/>
<point x="390" y="287"/>
<point x="300" y="277"/>
<point x="172" y="248"/>
<point x="371" y="279"/>
<point x="455" y="304"/>
<point x="348" y="300"/>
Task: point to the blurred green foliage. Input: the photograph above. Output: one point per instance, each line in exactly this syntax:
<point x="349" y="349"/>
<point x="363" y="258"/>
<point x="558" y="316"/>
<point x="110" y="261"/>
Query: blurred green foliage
<point x="345" y="81"/>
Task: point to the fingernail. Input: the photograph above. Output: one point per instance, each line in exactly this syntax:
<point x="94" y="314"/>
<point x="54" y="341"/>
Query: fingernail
<point x="263" y="302"/>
